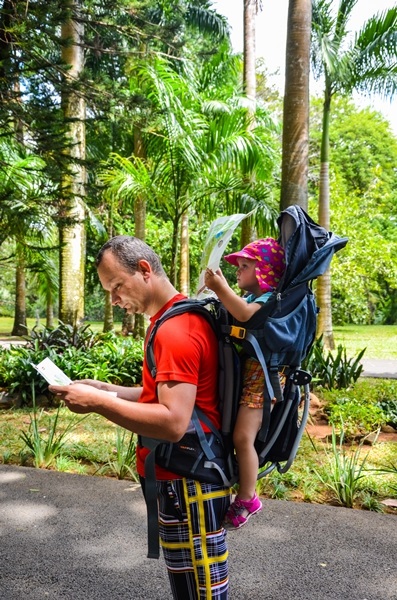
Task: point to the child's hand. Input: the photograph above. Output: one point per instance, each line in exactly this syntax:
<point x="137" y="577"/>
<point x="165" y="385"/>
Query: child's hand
<point x="214" y="281"/>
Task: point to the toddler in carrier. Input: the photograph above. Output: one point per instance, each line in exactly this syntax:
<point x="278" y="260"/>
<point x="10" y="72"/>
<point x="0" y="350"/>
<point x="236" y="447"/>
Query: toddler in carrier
<point x="260" y="265"/>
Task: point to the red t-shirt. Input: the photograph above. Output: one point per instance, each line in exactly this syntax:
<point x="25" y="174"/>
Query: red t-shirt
<point x="186" y="350"/>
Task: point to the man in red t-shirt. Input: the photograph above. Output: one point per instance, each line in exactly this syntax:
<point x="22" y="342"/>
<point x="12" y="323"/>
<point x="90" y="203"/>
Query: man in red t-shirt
<point x="186" y="356"/>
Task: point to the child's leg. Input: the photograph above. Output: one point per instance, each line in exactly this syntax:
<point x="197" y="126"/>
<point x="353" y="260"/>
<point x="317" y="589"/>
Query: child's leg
<point x="248" y="423"/>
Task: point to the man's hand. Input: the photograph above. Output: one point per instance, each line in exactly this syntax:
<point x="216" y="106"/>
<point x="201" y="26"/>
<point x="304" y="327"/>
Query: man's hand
<point x="79" y="397"/>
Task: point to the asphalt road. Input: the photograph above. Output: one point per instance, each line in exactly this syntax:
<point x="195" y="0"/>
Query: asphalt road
<point x="75" y="537"/>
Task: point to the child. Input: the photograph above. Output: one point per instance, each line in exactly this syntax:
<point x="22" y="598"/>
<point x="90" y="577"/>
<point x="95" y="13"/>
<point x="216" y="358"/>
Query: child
<point x="260" y="265"/>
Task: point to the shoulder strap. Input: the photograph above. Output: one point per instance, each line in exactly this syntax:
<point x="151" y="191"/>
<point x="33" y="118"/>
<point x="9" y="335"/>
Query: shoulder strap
<point x="206" y="308"/>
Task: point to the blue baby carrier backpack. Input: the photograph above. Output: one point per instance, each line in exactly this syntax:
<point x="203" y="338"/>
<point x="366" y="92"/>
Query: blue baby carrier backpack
<point x="279" y="335"/>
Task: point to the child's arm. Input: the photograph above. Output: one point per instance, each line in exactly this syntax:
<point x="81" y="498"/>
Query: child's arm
<point x="237" y="306"/>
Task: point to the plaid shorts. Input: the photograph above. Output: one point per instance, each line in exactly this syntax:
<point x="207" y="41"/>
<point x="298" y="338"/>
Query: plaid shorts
<point x="193" y="538"/>
<point x="253" y="384"/>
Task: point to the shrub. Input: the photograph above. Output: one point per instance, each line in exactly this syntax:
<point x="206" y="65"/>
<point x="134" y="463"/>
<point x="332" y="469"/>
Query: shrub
<point x="389" y="410"/>
<point x="355" y="416"/>
<point x="364" y="407"/>
<point x="330" y="370"/>
<point x="64" y="336"/>
<point x="109" y="358"/>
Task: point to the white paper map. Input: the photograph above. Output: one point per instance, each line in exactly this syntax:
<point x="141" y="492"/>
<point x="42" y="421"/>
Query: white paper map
<point x="51" y="373"/>
<point x="219" y="234"/>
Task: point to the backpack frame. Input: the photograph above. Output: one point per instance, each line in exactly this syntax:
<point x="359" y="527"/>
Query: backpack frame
<point x="279" y="335"/>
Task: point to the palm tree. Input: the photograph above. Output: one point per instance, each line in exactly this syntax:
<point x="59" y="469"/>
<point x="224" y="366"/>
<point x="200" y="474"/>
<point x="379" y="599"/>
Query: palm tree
<point x="249" y="82"/>
<point x="25" y="216"/>
<point x="366" y="63"/>
<point x="295" y="153"/>
<point x="200" y="154"/>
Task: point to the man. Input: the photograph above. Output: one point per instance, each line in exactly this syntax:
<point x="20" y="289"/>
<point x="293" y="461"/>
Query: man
<point x="186" y="355"/>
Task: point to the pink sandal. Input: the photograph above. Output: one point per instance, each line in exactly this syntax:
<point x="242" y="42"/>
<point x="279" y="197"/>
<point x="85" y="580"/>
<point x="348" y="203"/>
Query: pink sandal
<point x="240" y="511"/>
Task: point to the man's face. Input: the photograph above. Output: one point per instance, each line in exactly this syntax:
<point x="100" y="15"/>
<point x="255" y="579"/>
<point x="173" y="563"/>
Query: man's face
<point x="128" y="290"/>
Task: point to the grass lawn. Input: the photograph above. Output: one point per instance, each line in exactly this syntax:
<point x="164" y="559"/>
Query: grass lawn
<point x="380" y="341"/>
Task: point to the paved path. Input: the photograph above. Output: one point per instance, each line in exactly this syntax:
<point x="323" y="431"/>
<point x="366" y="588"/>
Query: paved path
<point x="75" y="537"/>
<point x="382" y="368"/>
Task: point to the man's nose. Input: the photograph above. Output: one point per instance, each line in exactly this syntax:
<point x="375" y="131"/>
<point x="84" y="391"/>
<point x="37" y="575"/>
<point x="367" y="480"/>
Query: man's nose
<point x="115" y="298"/>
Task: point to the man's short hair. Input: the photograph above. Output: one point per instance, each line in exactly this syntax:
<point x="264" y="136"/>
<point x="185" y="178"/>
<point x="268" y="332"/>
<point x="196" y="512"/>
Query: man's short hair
<point x="129" y="251"/>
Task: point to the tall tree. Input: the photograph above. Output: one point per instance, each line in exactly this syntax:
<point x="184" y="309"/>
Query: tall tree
<point x="72" y="229"/>
<point x="295" y="149"/>
<point x="248" y="232"/>
<point x="366" y="63"/>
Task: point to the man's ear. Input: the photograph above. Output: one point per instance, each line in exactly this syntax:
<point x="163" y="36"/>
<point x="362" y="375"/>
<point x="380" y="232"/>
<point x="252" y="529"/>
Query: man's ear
<point x="144" y="268"/>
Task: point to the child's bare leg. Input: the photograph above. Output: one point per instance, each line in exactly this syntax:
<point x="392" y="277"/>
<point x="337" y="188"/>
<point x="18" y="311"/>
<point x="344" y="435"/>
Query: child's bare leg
<point x="248" y="423"/>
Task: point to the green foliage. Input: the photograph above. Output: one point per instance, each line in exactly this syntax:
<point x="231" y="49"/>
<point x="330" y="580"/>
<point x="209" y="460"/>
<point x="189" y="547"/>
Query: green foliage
<point x="110" y="358"/>
<point x="364" y="407"/>
<point x="342" y="472"/>
<point x="46" y="449"/>
<point x="389" y="468"/>
<point x="371" y="502"/>
<point x="356" y="417"/>
<point x="364" y="275"/>
<point x="17" y="373"/>
<point x="389" y="410"/>
<point x="332" y="370"/>
<point x="124" y="463"/>
<point x="64" y="336"/>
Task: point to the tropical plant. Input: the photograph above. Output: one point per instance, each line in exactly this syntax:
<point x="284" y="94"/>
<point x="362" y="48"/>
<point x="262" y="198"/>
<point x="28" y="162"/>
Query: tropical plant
<point x="106" y="358"/>
<point x="364" y="275"/>
<point x="26" y="218"/>
<point x="200" y="153"/>
<point x="333" y="370"/>
<point x="343" y="471"/>
<point x="46" y="449"/>
<point x="124" y="463"/>
<point x="367" y="64"/>
<point x="62" y="337"/>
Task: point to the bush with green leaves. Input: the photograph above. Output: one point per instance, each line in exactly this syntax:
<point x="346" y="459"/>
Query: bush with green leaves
<point x="389" y="410"/>
<point x="332" y="370"/>
<point x="111" y="358"/>
<point x="357" y="418"/>
<point x="364" y="407"/>
<point x="63" y="336"/>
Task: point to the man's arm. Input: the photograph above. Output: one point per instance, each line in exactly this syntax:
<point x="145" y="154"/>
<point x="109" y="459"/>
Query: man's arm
<point x="168" y="420"/>
<point x="131" y="394"/>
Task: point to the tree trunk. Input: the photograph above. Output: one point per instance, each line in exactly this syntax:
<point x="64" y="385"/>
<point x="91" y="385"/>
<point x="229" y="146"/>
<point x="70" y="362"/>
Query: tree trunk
<point x="49" y="309"/>
<point x="20" y="323"/>
<point x="72" y="231"/>
<point x="108" y="323"/>
<point x="248" y="232"/>
<point x="323" y="293"/>
<point x="295" y="148"/>
<point x="140" y="226"/>
<point x="250" y="11"/>
<point x="184" y="280"/>
<point x="127" y="326"/>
